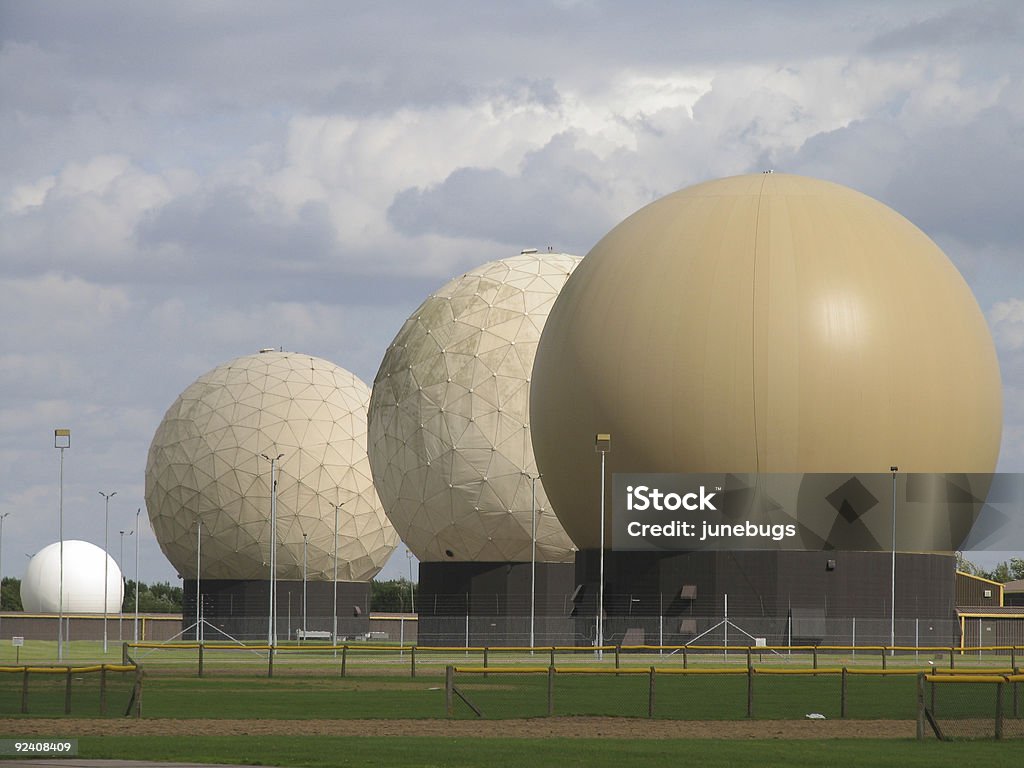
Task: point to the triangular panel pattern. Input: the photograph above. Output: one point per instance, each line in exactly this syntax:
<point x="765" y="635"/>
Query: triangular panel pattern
<point x="449" y="434"/>
<point x="206" y="462"/>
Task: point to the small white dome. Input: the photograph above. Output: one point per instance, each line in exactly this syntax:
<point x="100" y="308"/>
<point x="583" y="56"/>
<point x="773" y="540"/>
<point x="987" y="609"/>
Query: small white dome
<point x="82" y="582"/>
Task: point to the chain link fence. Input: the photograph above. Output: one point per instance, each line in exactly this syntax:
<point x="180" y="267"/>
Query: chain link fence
<point x="954" y="706"/>
<point x="99" y="690"/>
<point x="674" y="693"/>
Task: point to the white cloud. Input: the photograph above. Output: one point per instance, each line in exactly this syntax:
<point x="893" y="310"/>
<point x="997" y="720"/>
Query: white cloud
<point x="1007" y="321"/>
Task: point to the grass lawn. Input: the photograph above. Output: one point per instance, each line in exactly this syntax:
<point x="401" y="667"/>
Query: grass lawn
<point x="423" y="752"/>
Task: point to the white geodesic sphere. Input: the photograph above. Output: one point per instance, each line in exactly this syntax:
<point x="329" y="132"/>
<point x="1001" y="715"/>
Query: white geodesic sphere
<point x="449" y="430"/>
<point x="207" y="461"/>
<point x="82" y="580"/>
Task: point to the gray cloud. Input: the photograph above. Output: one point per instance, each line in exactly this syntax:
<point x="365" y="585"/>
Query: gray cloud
<point x="186" y="182"/>
<point x="552" y="200"/>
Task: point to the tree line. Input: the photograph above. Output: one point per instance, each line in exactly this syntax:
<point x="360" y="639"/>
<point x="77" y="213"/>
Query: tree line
<point x="153" y="598"/>
<point x="394" y="596"/>
<point x="1008" y="570"/>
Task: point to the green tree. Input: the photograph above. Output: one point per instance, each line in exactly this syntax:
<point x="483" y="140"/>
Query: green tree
<point x="10" y="594"/>
<point x="156" y="598"/>
<point x="392" y="596"/>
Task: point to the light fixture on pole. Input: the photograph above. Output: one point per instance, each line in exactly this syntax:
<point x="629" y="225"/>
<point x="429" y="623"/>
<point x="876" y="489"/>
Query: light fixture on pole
<point x="120" y="613"/>
<point x="602" y="445"/>
<point x="106" y="559"/>
<point x="5" y="514"/>
<point x="533" y="553"/>
<point x="892" y="596"/>
<point x="135" y="632"/>
<point x="272" y="627"/>
<point x="61" y="440"/>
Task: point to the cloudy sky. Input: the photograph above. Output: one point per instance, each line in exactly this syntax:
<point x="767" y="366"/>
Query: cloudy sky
<point x="182" y="183"/>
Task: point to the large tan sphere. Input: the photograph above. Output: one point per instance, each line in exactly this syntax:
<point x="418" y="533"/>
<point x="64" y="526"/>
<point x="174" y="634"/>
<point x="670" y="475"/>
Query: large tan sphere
<point x="762" y="323"/>
<point x="206" y="462"/>
<point x="449" y="426"/>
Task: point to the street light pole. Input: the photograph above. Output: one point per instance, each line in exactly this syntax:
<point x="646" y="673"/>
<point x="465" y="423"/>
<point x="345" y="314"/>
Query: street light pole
<point x="135" y="633"/>
<point x="120" y="613"/>
<point x="533" y="553"/>
<point x="5" y="514"/>
<point x="305" y="544"/>
<point x="892" y="596"/>
<point x="199" y="594"/>
<point x="61" y="440"/>
<point x="602" y="444"/>
<point x="106" y="557"/>
<point x="272" y="629"/>
<point x="412" y="589"/>
<point x="334" y="602"/>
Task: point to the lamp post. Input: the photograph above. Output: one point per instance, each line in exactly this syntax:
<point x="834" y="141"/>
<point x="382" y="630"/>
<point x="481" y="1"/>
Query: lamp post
<point x="5" y="514"/>
<point x="892" y="596"/>
<point x="61" y="440"/>
<point x="334" y="632"/>
<point x="602" y="444"/>
<point x="199" y="594"/>
<point x="135" y="632"/>
<point x="120" y="613"/>
<point x="412" y="590"/>
<point x="272" y="628"/>
<point x="305" y="544"/>
<point x="106" y="557"/>
<point x="533" y="553"/>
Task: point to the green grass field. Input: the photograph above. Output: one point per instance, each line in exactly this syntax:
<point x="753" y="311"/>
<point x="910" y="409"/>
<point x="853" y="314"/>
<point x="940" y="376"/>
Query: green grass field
<point x="422" y="752"/>
<point x="236" y="687"/>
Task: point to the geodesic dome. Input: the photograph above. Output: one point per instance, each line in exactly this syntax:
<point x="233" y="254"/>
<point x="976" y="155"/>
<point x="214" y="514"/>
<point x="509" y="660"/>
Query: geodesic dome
<point x="82" y="584"/>
<point x="207" y="462"/>
<point x="449" y="429"/>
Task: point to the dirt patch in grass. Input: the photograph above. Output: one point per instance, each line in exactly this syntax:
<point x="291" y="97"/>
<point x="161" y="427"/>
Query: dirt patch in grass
<point x="538" y="728"/>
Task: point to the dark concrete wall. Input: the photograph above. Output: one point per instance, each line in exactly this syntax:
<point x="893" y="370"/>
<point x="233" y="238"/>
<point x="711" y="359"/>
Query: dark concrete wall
<point x="239" y="609"/>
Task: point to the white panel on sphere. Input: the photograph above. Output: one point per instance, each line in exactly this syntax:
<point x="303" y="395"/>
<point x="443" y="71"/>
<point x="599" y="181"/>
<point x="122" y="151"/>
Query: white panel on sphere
<point x="82" y="580"/>
<point x="206" y="462"/>
<point x="449" y="427"/>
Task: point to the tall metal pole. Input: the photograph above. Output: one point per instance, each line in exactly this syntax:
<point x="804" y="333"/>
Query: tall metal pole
<point x="602" y="444"/>
<point x="412" y="589"/>
<point x="61" y="440"/>
<point x="334" y="602"/>
<point x="892" y="596"/>
<point x="533" y="556"/>
<point x="272" y="628"/>
<point x="120" y="608"/>
<point x="199" y="594"/>
<point x="5" y="514"/>
<point x="135" y="633"/>
<point x="106" y="560"/>
<point x="305" y="544"/>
